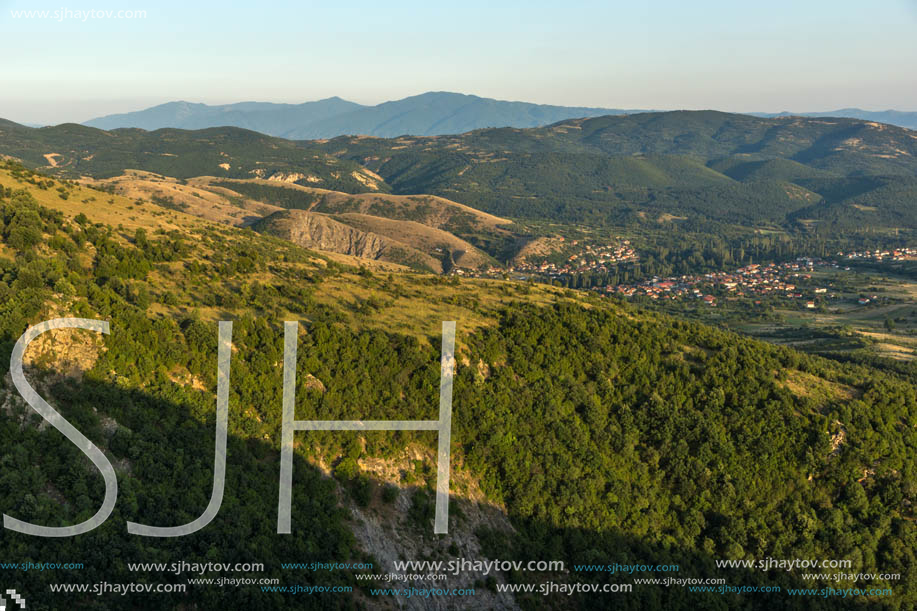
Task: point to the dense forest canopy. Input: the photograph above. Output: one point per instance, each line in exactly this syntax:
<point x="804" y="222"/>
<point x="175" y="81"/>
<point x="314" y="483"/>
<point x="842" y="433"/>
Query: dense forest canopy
<point x="606" y="432"/>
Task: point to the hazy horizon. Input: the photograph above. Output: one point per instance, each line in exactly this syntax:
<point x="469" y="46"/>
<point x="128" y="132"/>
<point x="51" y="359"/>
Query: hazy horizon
<point x="815" y="57"/>
<point x="128" y="108"/>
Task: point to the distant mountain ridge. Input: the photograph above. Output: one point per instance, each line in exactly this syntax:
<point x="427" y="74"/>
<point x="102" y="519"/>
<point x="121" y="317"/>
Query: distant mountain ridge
<point x="891" y="117"/>
<point x="265" y="117"/>
<point x="427" y="114"/>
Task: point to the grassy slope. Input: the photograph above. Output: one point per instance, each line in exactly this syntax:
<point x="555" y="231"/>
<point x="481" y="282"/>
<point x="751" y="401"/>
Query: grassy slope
<point x="433" y="211"/>
<point x="211" y="204"/>
<point x="413" y="304"/>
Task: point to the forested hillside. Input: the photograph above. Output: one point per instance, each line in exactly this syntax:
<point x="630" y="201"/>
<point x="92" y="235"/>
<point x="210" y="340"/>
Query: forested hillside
<point x="71" y="151"/>
<point x="804" y="175"/>
<point x="722" y="167"/>
<point x="604" y="432"/>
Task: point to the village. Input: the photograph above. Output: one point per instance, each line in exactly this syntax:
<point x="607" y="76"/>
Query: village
<point x="898" y="254"/>
<point x="589" y="258"/>
<point x="773" y="279"/>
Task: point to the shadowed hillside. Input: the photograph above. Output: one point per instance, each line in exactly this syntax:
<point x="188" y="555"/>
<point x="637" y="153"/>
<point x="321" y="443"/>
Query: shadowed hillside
<point x="608" y="433"/>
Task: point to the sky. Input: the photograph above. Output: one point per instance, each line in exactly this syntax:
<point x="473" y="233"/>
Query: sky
<point x="801" y="56"/>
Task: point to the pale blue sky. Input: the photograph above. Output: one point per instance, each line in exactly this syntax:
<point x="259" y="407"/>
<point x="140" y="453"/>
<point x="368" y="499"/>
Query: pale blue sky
<point x="802" y="55"/>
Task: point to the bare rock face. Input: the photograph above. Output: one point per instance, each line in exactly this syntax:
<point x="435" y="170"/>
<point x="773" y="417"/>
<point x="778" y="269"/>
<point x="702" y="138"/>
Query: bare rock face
<point x="318" y="231"/>
<point x="386" y="531"/>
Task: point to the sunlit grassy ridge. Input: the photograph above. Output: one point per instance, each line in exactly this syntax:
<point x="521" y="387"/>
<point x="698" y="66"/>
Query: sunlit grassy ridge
<point x="222" y="261"/>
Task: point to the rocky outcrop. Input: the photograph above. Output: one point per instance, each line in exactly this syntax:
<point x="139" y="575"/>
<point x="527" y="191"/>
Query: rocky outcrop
<point x="315" y="230"/>
<point x="387" y="532"/>
<point x="292" y="177"/>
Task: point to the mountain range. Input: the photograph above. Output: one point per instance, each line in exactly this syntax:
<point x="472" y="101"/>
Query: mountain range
<point x="427" y="114"/>
<point x="839" y="173"/>
<point x="829" y="175"/>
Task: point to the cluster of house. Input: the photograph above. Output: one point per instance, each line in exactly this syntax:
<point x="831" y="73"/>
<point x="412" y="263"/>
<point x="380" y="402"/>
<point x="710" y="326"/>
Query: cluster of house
<point x="751" y="280"/>
<point x="779" y="279"/>
<point x="591" y="258"/>
<point x="897" y="254"/>
<point x="773" y="279"/>
<point x="594" y="258"/>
